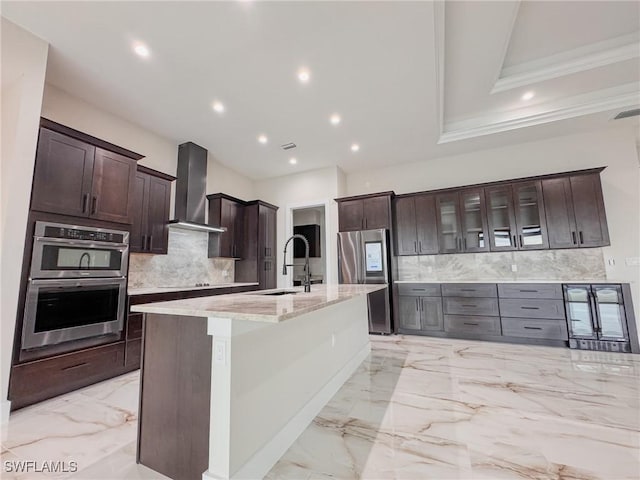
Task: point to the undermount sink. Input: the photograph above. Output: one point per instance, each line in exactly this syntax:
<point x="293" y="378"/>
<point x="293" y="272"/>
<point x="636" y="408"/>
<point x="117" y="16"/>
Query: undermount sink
<point x="277" y="293"/>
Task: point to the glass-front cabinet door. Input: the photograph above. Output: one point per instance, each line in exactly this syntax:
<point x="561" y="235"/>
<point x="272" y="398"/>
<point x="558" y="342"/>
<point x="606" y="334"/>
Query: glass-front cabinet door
<point x="579" y="314"/>
<point x="449" y="222"/>
<point x="474" y="221"/>
<point x="530" y="217"/>
<point x="610" y="312"/>
<point x="501" y="218"/>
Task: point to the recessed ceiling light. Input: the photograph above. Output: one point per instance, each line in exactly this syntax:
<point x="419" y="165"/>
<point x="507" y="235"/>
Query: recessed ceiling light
<point x="303" y="75"/>
<point x="293" y="160"/>
<point x="218" y="107"/>
<point x="262" y="139"/>
<point x="141" y="50"/>
<point x="335" y="119"/>
<point x="355" y="147"/>
<point x="528" y="96"/>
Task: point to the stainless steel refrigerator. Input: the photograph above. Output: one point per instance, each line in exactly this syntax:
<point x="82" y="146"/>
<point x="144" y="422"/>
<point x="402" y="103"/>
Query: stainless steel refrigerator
<point x="363" y="257"/>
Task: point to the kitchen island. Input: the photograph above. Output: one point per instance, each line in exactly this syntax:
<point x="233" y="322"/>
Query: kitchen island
<point x="229" y="382"/>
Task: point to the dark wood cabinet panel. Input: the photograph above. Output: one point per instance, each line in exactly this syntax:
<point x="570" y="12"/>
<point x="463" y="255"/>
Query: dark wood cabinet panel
<point x="530" y="216"/>
<point x="36" y="381"/>
<point x="258" y="262"/>
<point x="158" y="216"/>
<point x="351" y="215"/>
<point x="376" y="212"/>
<point x="74" y="178"/>
<point x="426" y="221"/>
<point x="112" y="187"/>
<point x="432" y="315"/>
<point x="150" y="212"/>
<point x="473" y="221"/>
<point x="575" y="211"/>
<point x="409" y="313"/>
<point x="133" y="355"/>
<point x="588" y="207"/>
<point x="561" y="224"/>
<point x="63" y="175"/>
<point x="405" y="226"/>
<point x="226" y="212"/>
<point x="501" y="218"/>
<point x="449" y="229"/>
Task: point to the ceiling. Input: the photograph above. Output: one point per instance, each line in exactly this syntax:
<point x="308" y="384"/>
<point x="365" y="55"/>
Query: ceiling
<point x="410" y="80"/>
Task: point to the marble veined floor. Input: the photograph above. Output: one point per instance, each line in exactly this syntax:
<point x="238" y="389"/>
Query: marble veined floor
<point x="418" y="408"/>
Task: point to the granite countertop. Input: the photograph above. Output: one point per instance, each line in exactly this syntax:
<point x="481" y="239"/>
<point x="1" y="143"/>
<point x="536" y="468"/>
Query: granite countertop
<point x="261" y="308"/>
<point x="152" y="290"/>
<point x="569" y="280"/>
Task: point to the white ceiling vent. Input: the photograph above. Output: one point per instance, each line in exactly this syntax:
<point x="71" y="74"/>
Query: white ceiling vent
<point x="628" y="113"/>
<point x="288" y="146"/>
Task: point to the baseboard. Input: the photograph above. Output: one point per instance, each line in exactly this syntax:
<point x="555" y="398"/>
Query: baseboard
<point x="6" y="408"/>
<point x="264" y="460"/>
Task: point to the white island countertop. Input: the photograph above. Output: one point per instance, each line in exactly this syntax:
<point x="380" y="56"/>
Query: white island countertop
<point x="154" y="290"/>
<point x="598" y="282"/>
<point x="256" y="306"/>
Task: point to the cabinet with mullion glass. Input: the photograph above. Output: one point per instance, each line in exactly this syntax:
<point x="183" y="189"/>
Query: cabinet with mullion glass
<point x="516" y="217"/>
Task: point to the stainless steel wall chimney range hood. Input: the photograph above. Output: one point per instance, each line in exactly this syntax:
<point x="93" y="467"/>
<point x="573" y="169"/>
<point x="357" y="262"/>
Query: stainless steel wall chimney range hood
<point x="191" y="185"/>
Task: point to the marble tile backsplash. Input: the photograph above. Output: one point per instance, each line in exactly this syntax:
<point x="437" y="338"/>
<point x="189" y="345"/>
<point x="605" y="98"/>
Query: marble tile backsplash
<point x="185" y="264"/>
<point x="575" y="264"/>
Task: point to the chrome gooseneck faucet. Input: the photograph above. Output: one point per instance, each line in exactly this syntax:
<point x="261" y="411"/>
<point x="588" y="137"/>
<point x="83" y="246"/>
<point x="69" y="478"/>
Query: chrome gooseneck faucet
<point x="307" y="273"/>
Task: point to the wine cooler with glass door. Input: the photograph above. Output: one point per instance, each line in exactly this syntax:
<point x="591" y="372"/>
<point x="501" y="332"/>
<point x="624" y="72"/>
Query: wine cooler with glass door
<point x="596" y="318"/>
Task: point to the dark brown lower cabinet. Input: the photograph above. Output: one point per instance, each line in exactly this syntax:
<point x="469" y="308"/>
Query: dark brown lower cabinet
<point x="35" y="381"/>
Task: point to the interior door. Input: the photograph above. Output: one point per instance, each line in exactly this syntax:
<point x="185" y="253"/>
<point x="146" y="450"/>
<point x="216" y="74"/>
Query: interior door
<point x="579" y="312"/>
<point x="610" y="312"/>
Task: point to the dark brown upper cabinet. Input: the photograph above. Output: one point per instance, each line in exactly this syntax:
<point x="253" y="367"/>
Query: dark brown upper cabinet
<point x="415" y="225"/>
<point x="365" y="212"/>
<point x="462" y="221"/>
<point x="151" y="203"/>
<point x="75" y="177"/>
<point x="575" y="211"/>
<point x="516" y="217"/>
<point x="258" y="249"/>
<point x="228" y="212"/>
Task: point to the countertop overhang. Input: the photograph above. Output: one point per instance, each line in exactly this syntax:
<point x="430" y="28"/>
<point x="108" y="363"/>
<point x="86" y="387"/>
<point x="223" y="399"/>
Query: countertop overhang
<point x="255" y="306"/>
<point x="572" y="281"/>
<point x="154" y="290"/>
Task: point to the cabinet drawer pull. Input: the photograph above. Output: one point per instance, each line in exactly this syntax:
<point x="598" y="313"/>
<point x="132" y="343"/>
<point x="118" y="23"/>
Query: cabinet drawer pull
<point x="528" y="291"/>
<point x="515" y="243"/>
<point x="521" y="244"/>
<point x="73" y="367"/>
<point x="533" y="328"/>
<point x="415" y="246"/>
<point x="467" y="289"/>
<point x="468" y="305"/>
<point x="530" y="308"/>
<point x="418" y="289"/>
<point x="472" y="324"/>
<point x="420" y="246"/>
<point x="573" y="237"/>
<point x="85" y="201"/>
<point x="94" y="204"/>
<point x="581" y="238"/>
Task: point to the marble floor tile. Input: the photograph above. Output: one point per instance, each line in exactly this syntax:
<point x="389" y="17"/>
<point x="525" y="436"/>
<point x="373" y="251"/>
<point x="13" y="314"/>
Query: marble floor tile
<point x="417" y="408"/>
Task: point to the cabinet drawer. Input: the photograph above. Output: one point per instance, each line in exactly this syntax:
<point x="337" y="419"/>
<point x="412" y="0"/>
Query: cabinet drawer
<point x="134" y="326"/>
<point x="42" y="379"/>
<point x="419" y="289"/>
<point x="535" y="328"/>
<point x="530" y="290"/>
<point x="472" y="324"/>
<point x="471" y="306"/>
<point x="469" y="290"/>
<point x="532" y="308"/>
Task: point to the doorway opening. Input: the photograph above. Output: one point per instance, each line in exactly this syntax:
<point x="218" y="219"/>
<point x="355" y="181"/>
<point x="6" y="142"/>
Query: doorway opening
<point x="310" y="221"/>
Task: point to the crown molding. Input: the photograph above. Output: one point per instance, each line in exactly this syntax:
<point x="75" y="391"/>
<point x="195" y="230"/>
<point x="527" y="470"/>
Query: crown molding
<point x="586" y="104"/>
<point x="585" y="58"/>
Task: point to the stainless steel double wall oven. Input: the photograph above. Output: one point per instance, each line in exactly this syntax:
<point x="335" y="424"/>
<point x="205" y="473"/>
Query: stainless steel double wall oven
<point x="77" y="284"/>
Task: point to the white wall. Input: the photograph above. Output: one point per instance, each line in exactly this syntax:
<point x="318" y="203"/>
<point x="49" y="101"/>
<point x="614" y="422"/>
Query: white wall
<point x="24" y="61"/>
<point x="614" y="148"/>
<point x="311" y="188"/>
<point x="221" y="179"/>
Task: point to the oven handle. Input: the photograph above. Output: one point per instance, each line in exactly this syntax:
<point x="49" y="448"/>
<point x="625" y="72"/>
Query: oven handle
<point x="79" y="282"/>
<point x="86" y="243"/>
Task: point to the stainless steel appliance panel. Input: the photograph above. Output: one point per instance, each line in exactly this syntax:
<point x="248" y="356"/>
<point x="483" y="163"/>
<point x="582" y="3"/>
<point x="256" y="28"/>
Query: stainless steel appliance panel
<point x="62" y="310"/>
<point x="379" y="311"/>
<point x="350" y="257"/>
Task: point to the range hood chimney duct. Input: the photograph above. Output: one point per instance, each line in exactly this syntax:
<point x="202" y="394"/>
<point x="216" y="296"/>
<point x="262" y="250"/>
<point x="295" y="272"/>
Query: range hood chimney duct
<point x="191" y="185"/>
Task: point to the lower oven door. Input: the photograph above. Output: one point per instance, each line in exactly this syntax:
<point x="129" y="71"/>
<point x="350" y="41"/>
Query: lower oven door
<point x="59" y="311"/>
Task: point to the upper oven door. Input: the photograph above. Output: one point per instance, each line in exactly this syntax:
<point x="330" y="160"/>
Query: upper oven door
<point x="59" y="311"/>
<point x="61" y="258"/>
